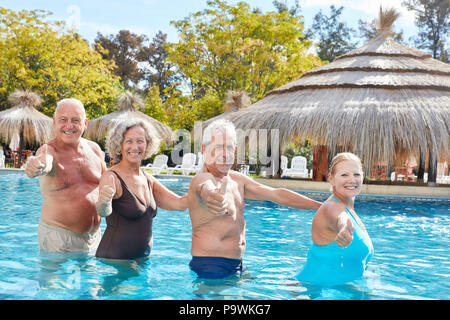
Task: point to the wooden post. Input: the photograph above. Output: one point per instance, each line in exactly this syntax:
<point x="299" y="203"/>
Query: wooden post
<point x="320" y="163"/>
<point x="432" y="168"/>
<point x="421" y="169"/>
<point x="275" y="153"/>
<point x="21" y="145"/>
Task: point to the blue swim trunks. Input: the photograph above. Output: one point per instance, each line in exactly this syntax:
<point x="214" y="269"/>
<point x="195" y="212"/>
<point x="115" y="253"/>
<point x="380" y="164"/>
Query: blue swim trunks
<point x="215" y="267"/>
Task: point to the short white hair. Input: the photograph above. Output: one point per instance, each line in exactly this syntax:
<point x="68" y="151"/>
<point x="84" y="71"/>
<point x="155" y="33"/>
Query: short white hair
<point x="116" y="136"/>
<point x="220" y="125"/>
<point x="71" y="101"/>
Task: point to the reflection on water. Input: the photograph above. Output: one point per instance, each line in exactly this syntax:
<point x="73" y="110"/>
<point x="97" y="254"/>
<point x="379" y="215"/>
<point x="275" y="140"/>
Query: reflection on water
<point x="115" y="283"/>
<point x="223" y="289"/>
<point x="82" y="276"/>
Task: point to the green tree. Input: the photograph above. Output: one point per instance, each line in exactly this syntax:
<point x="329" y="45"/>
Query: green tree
<point x="333" y="37"/>
<point x="180" y="109"/>
<point x="124" y="49"/>
<point x="153" y="105"/>
<point x="433" y="20"/>
<point x="228" y="47"/>
<point x="155" y="67"/>
<point x="47" y="59"/>
<point x="282" y="6"/>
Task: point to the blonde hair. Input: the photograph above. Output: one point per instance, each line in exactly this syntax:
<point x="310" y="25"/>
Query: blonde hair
<point x="343" y="156"/>
<point x="116" y="136"/>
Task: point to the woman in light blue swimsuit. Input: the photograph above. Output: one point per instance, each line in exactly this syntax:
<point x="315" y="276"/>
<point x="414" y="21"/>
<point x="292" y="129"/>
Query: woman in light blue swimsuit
<point x="341" y="245"/>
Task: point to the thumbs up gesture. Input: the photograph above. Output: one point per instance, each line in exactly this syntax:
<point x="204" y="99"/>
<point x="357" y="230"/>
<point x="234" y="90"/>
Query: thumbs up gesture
<point x="222" y="189"/>
<point x="40" y="164"/>
<point x="214" y="196"/>
<point x="107" y="190"/>
<point x="345" y="235"/>
<point x="222" y="185"/>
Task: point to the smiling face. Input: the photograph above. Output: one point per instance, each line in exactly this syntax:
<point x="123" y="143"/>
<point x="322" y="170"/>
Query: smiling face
<point x="69" y="123"/>
<point x="346" y="178"/>
<point x="219" y="153"/>
<point x="134" y="145"/>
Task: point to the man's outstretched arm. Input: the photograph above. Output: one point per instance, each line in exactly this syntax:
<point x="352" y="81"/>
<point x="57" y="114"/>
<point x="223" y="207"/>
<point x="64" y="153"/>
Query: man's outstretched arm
<point x="257" y="191"/>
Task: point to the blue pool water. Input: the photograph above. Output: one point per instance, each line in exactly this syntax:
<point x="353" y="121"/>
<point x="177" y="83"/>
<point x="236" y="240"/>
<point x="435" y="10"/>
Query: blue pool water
<point x="411" y="239"/>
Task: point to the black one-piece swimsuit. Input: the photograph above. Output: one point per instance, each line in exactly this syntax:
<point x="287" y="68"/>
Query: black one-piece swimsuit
<point x="128" y="233"/>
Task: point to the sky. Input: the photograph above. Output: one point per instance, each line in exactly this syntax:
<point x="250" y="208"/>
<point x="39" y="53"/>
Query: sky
<point x="148" y="17"/>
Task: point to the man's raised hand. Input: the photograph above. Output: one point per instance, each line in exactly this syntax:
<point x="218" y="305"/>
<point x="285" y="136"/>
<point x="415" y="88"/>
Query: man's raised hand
<point x="39" y="164"/>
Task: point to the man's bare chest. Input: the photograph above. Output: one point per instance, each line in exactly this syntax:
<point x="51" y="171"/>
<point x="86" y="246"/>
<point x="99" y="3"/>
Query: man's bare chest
<point x="74" y="172"/>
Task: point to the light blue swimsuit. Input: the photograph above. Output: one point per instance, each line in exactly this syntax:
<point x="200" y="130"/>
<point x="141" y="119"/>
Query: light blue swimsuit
<point x="332" y="265"/>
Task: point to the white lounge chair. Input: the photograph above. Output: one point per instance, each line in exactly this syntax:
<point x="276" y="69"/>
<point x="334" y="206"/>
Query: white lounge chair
<point x="400" y="177"/>
<point x="2" y="159"/>
<point x="298" y="168"/>
<point x="283" y="165"/>
<point x="244" y="169"/>
<point x="187" y="164"/>
<point x="200" y="162"/>
<point x="443" y="179"/>
<point x="159" y="164"/>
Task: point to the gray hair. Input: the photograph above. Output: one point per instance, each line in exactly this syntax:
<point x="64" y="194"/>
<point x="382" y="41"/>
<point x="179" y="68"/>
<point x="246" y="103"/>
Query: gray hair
<point x="71" y="101"/>
<point x="220" y="125"/>
<point x="116" y="136"/>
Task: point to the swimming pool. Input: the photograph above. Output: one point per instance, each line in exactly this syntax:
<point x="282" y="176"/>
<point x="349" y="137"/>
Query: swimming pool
<point x="411" y="261"/>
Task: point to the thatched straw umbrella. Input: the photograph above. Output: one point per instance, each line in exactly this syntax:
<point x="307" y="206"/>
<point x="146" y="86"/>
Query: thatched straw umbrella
<point x="25" y="121"/>
<point x="383" y="101"/>
<point x="128" y="108"/>
<point x="234" y="101"/>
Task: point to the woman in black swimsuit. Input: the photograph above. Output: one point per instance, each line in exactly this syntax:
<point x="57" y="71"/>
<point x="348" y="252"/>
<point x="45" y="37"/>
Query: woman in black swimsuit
<point x="128" y="196"/>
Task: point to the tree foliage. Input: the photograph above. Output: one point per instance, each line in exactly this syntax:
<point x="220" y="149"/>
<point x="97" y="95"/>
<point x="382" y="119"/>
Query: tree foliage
<point x="333" y="36"/>
<point x="433" y="20"/>
<point x="123" y="49"/>
<point x="155" y="68"/>
<point x="228" y="47"/>
<point x="55" y="63"/>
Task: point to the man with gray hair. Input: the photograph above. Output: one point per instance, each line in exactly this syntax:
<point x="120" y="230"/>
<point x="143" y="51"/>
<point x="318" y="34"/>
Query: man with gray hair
<point x="216" y="205"/>
<point x="69" y="169"/>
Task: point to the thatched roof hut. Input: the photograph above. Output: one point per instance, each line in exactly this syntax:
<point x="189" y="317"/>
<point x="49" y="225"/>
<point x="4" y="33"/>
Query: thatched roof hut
<point x="25" y="121"/>
<point x="128" y="108"/>
<point x="234" y="101"/>
<point x="382" y="101"/>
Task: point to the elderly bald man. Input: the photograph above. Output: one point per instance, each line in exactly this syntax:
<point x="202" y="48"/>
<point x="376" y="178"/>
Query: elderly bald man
<point x="69" y="168"/>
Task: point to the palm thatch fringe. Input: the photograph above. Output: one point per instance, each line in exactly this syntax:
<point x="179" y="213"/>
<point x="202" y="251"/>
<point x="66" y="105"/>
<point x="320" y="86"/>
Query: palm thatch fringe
<point x="129" y="105"/>
<point x="129" y="102"/>
<point x="24" y="98"/>
<point x="373" y="123"/>
<point x="234" y="101"/>
<point x="24" y="120"/>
